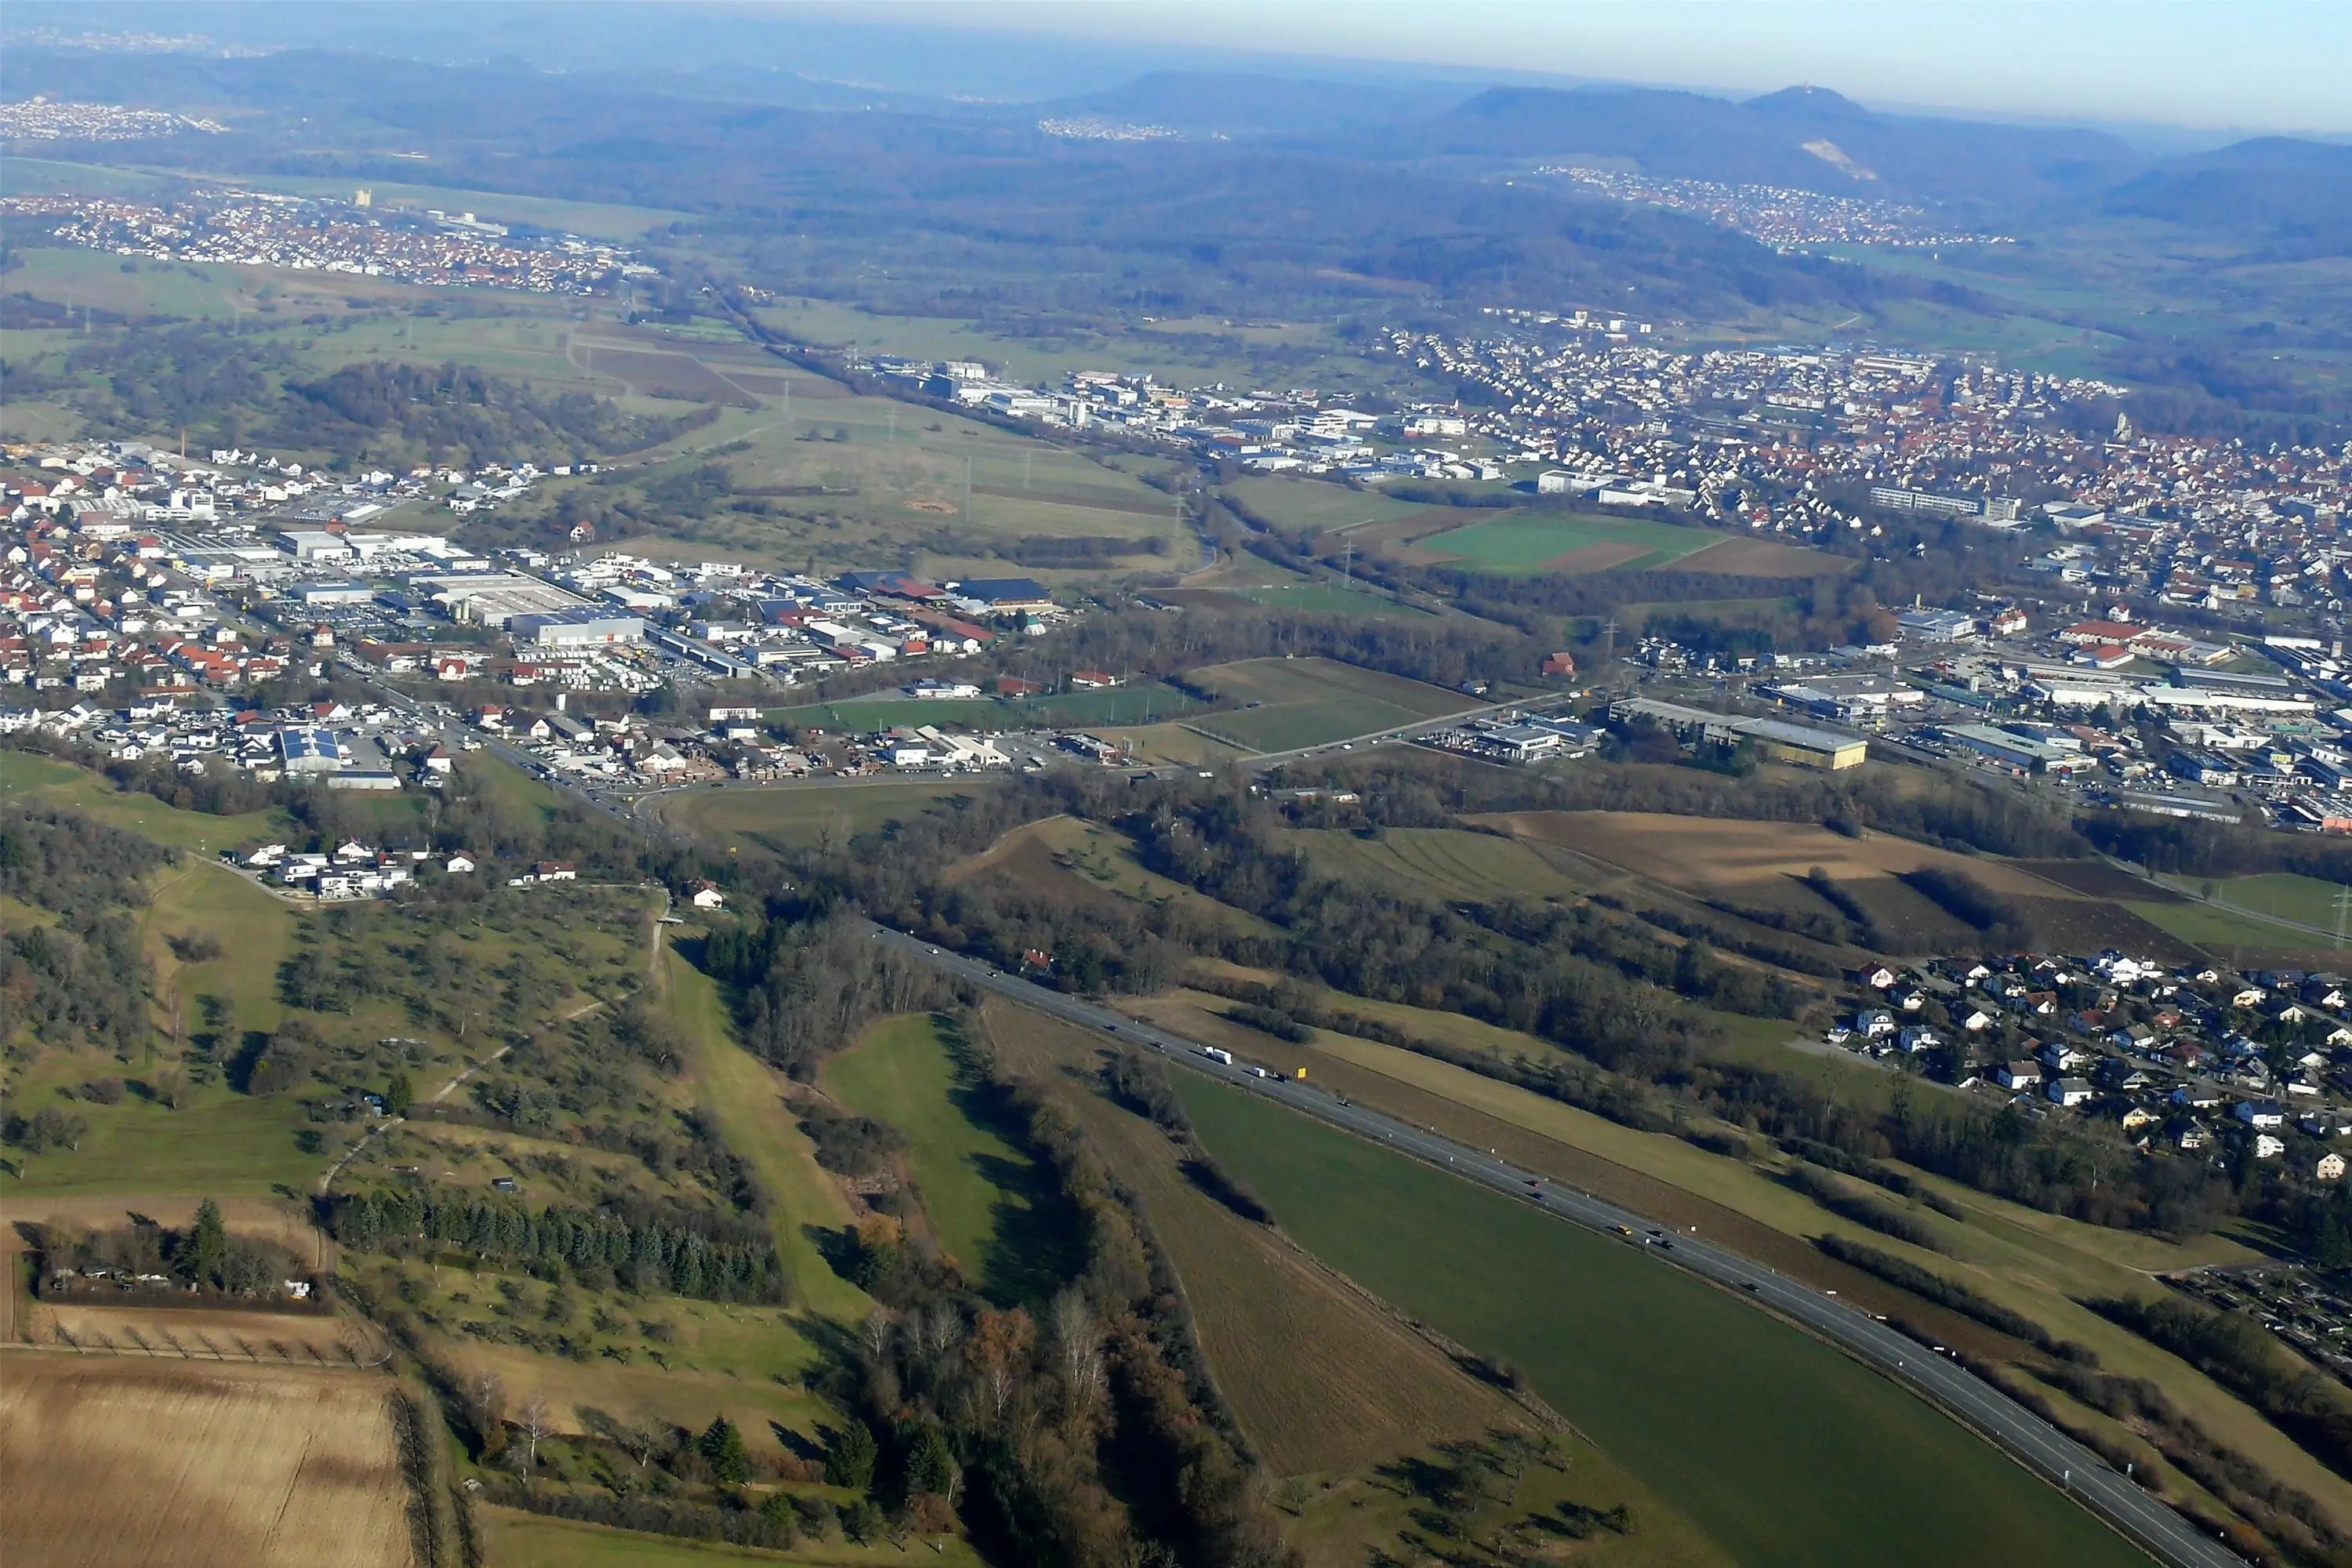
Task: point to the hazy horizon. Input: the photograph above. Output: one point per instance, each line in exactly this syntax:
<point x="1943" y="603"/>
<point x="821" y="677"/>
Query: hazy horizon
<point x="2259" y="67"/>
<point x="2265" y="66"/>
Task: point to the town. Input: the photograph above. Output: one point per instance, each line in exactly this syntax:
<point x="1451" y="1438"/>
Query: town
<point x="1777" y="214"/>
<point x="260" y="228"/>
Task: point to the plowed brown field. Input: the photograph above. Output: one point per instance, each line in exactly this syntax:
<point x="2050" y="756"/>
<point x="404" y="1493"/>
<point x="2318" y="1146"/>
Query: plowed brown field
<point x="110" y="1460"/>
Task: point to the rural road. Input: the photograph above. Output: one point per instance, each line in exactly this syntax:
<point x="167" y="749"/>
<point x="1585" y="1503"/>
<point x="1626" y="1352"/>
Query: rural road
<point x="2026" y="1437"/>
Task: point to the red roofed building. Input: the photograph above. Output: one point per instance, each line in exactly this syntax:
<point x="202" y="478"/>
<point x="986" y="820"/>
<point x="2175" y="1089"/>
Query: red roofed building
<point x="2090" y="634"/>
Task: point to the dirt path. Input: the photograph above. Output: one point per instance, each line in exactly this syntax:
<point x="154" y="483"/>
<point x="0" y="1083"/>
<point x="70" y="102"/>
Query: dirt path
<point x="446" y="1090"/>
<point x="653" y="976"/>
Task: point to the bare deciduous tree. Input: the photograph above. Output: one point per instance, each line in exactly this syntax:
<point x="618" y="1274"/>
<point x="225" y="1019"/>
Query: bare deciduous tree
<point x="537" y="1420"/>
<point x="1079" y="1337"/>
<point x="488" y="1396"/>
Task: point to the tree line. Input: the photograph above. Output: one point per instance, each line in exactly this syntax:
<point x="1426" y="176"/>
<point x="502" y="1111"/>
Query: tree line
<point x="685" y="1255"/>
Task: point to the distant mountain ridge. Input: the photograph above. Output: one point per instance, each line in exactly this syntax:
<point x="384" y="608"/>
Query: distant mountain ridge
<point x="2297" y="192"/>
<point x="1809" y="138"/>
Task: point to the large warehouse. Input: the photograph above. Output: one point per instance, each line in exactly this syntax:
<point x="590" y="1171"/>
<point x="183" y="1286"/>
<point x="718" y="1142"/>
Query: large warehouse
<point x="1773" y="738"/>
<point x="584" y="627"/>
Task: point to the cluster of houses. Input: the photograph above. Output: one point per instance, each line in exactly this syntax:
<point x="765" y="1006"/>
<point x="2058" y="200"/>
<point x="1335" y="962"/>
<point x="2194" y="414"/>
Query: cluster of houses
<point x="2180" y="1057"/>
<point x="349" y="870"/>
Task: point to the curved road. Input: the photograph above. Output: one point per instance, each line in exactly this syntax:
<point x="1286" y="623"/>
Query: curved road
<point x="2025" y="1436"/>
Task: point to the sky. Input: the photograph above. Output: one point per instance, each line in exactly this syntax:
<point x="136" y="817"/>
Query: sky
<point x="2250" y="65"/>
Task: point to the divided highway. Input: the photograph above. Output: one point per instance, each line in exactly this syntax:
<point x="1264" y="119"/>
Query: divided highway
<point x="2025" y="1436"/>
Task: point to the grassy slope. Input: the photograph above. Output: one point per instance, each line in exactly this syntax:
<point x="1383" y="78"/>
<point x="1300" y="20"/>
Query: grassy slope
<point x="1778" y="1447"/>
<point x="220" y="1143"/>
<point x="38" y="779"/>
<point x="254" y="930"/>
<point x="986" y="1202"/>
<point x="743" y="1093"/>
<point x="2307" y="900"/>
<point x="800" y="815"/>
<point x="2217" y="931"/>
<point x="1440" y="862"/>
<point x="1106" y="859"/>
<point x="1319" y="1378"/>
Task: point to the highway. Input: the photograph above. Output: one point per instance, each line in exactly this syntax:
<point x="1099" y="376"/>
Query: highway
<point x="2025" y="1436"/>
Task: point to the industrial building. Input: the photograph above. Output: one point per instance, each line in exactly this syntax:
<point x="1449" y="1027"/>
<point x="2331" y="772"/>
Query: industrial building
<point x="1774" y="740"/>
<point x="585" y="627"/>
<point x="496" y="599"/>
<point x="317" y="594"/>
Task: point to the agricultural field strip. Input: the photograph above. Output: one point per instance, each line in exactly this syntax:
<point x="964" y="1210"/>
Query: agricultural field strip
<point x="2026" y="1437"/>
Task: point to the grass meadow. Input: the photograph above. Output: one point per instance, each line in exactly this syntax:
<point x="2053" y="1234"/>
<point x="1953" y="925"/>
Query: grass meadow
<point x="1322" y="1380"/>
<point x="746" y="1096"/>
<point x="986" y="1202"/>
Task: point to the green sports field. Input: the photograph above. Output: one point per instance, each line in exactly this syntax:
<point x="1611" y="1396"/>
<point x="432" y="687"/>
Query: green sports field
<point x="1778" y="1447"/>
<point x="1525" y="542"/>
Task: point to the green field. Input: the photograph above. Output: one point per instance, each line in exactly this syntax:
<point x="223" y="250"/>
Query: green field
<point x="1778" y="1447"/>
<point x="2219" y="929"/>
<point x="801" y="814"/>
<point x="987" y="1203"/>
<point x="1315" y="702"/>
<point x="841" y="480"/>
<point x="1524" y="542"/>
<point x="221" y="1144"/>
<point x="202" y="899"/>
<point x="2304" y="899"/>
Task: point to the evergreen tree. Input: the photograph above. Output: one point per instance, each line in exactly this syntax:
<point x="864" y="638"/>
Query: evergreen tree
<point x="207" y="1246"/>
<point x="723" y="1445"/>
<point x="849" y="1455"/>
<point x="398" y="1096"/>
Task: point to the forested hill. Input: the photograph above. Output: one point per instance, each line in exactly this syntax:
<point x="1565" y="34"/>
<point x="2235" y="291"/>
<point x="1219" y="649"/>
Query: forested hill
<point x="229" y="390"/>
<point x="451" y="411"/>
